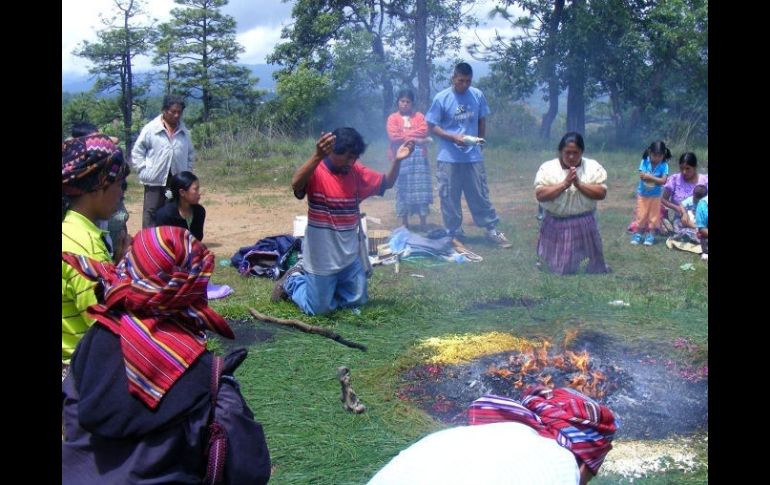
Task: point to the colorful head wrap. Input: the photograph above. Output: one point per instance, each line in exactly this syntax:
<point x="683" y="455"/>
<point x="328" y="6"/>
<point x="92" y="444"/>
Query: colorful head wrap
<point x="90" y="163"/>
<point x="574" y="420"/>
<point x="155" y="300"/>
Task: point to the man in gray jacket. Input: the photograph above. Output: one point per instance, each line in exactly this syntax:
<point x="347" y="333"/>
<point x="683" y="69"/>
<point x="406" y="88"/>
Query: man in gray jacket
<point x="164" y="148"/>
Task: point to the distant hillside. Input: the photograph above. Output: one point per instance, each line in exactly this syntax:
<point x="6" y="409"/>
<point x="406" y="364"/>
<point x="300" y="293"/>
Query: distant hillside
<point x="77" y="83"/>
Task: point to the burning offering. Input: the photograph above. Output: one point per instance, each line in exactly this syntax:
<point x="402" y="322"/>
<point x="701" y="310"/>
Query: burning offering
<point x="653" y="397"/>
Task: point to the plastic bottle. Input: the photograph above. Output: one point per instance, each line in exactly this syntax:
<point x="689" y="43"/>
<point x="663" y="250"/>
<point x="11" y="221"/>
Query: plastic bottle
<point x="619" y="303"/>
<point x="473" y="140"/>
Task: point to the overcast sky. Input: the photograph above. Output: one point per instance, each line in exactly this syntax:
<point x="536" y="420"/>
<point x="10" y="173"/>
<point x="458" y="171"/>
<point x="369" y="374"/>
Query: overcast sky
<point x="259" y="24"/>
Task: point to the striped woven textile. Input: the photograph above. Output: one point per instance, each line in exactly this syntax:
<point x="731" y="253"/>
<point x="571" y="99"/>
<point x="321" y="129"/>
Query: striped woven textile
<point x="414" y="187"/>
<point x="90" y="163"/>
<point x="155" y="300"/>
<point x="565" y="242"/>
<point x="333" y="197"/>
<point x="574" y="420"/>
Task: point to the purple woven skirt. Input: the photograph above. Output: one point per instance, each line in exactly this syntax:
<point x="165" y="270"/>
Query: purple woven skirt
<point x="565" y="242"/>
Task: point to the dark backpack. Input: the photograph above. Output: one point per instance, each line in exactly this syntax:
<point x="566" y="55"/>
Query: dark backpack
<point x="202" y="427"/>
<point x="268" y="257"/>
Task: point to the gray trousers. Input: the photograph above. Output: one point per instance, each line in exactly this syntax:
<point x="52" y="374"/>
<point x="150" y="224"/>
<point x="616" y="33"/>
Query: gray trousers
<point x="116" y="225"/>
<point x="154" y="199"/>
<point x="454" y="179"/>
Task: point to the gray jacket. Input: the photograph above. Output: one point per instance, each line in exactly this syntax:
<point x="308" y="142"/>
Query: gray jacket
<point x="155" y="155"/>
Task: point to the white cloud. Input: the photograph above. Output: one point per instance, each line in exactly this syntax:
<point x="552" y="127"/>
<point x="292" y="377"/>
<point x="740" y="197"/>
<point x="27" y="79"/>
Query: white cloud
<point x="488" y="29"/>
<point x="81" y="19"/>
<point x="263" y="19"/>
<point x="259" y="42"/>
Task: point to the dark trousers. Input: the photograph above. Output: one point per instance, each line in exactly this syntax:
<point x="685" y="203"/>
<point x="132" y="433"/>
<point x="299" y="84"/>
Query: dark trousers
<point x="704" y="245"/>
<point x="456" y="179"/>
<point x="154" y="199"/>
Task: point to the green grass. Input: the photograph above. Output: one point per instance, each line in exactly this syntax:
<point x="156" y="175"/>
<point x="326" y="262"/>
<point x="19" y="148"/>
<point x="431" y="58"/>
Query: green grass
<point x="290" y="381"/>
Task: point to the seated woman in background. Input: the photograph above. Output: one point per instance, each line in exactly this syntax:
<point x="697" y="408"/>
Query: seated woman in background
<point x="680" y="186"/>
<point x="686" y="236"/>
<point x="183" y="210"/>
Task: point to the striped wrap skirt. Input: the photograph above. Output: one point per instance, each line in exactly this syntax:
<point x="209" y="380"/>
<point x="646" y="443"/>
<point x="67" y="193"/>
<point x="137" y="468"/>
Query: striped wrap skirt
<point x="566" y="242"/>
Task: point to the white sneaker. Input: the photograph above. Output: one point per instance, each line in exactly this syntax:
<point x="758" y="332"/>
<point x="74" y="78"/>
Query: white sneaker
<point x="704" y="256"/>
<point x="498" y="238"/>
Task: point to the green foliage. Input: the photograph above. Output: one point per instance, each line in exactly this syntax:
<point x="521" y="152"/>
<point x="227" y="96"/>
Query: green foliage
<point x="166" y="52"/>
<point x="241" y="155"/>
<point x="104" y="112"/>
<point x="302" y="97"/>
<point x="112" y="57"/>
<point x="367" y="47"/>
<point x="200" y="47"/>
<point x="87" y="107"/>
<point x="651" y="62"/>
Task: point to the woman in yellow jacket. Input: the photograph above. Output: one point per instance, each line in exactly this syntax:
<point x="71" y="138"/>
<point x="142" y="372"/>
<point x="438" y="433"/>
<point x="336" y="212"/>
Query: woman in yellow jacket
<point x="93" y="180"/>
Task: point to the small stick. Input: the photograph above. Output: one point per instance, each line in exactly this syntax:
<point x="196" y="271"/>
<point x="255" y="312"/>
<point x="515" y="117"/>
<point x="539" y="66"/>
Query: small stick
<point x="349" y="399"/>
<point x="307" y="328"/>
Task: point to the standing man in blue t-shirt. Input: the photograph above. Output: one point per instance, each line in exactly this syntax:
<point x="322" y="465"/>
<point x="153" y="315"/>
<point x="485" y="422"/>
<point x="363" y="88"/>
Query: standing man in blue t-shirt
<point x="458" y="117"/>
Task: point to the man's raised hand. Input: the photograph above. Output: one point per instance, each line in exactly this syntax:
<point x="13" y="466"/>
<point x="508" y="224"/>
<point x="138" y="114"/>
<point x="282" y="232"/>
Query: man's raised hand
<point x="405" y="150"/>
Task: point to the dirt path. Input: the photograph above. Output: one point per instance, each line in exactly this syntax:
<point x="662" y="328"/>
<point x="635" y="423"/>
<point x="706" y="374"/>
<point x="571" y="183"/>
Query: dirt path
<point x="237" y="219"/>
<point x="234" y="220"/>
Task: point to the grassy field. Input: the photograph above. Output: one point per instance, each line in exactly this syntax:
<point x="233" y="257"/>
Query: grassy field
<point x="289" y="381"/>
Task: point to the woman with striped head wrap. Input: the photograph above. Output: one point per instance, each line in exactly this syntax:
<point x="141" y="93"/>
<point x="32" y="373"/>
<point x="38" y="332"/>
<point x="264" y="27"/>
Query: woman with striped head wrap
<point x="93" y="171"/>
<point x="572" y="419"/>
<point x="550" y="437"/>
<point x="140" y="394"/>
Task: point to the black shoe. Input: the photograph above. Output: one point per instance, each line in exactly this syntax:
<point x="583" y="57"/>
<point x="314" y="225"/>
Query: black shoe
<point x="436" y="233"/>
<point x="279" y="293"/>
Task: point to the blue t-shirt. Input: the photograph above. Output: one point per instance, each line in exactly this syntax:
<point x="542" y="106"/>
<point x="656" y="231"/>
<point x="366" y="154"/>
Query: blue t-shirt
<point x="458" y="114"/>
<point x="688" y="204"/>
<point x="651" y="189"/>
<point x="702" y="213"/>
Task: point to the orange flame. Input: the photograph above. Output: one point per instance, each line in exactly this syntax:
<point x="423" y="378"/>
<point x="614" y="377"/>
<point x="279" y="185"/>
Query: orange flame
<point x="503" y="372"/>
<point x="542" y="353"/>
<point x="529" y="365"/>
<point x="578" y="360"/>
<point x="534" y="361"/>
<point x="558" y="361"/>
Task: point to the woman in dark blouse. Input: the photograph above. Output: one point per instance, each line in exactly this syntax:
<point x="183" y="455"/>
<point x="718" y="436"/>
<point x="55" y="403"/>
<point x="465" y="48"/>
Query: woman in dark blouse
<point x="183" y="210"/>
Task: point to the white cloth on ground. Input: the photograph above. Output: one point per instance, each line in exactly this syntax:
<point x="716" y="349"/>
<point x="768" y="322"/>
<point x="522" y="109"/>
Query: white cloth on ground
<point x="500" y="453"/>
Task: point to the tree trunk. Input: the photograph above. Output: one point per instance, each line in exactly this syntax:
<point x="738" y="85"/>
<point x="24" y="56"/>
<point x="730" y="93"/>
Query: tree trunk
<point x="421" y="55"/>
<point x="576" y="105"/>
<point x="128" y="94"/>
<point x="576" y="77"/>
<point x="205" y="97"/>
<point x="553" y="78"/>
<point x="387" y="84"/>
<point x="168" y="74"/>
<point x="617" y="113"/>
<point x="206" y="93"/>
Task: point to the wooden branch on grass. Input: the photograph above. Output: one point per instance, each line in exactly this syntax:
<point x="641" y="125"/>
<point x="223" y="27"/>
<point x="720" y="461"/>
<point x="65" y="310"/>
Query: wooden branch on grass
<point x="307" y="328"/>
